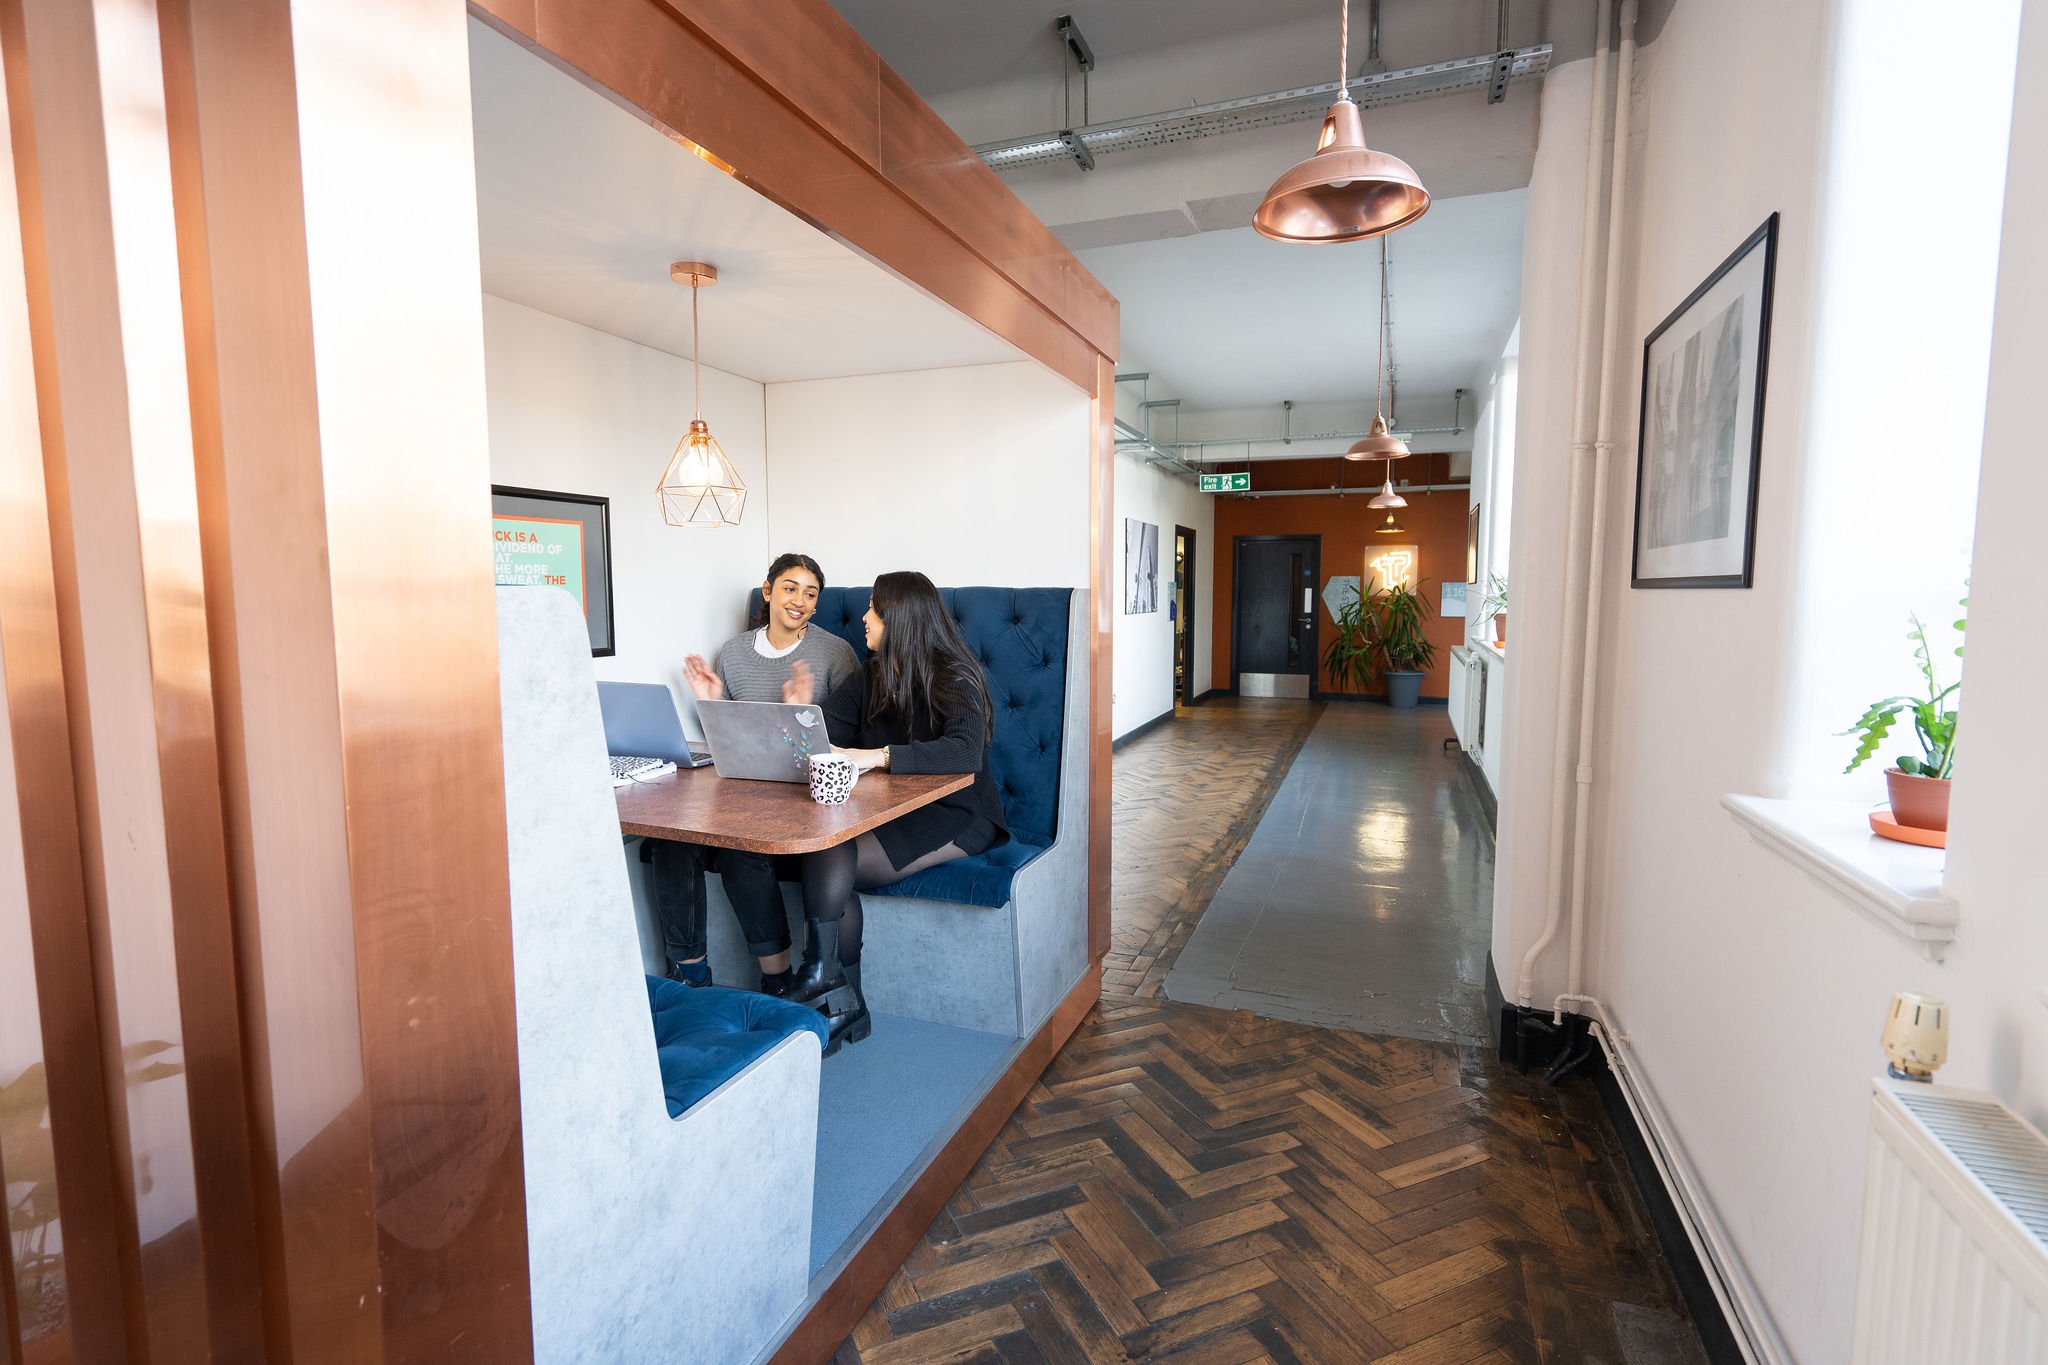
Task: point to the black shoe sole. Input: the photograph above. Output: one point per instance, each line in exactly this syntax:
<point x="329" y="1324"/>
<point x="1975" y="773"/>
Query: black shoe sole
<point x="857" y="1031"/>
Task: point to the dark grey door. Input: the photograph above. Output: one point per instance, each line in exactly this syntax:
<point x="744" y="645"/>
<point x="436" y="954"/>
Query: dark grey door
<point x="1273" y="639"/>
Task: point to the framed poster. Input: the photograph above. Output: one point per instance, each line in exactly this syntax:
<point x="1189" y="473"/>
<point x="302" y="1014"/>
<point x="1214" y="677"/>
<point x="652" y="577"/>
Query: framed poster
<point x="560" y="540"/>
<point x="1702" y="423"/>
<point x="1141" y="567"/>
<point x="1472" y="544"/>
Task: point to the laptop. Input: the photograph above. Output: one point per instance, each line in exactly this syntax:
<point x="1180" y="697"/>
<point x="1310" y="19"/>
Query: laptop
<point x="643" y="733"/>
<point x="767" y="741"/>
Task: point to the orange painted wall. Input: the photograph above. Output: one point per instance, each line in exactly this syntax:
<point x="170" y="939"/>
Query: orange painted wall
<point x="1435" y="524"/>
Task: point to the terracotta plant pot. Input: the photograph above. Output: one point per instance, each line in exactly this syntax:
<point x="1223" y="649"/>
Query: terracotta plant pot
<point x="1921" y="802"/>
<point x="1500" y="628"/>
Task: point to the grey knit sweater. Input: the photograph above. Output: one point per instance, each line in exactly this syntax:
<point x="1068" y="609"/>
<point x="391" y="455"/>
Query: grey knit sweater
<point x="750" y="676"/>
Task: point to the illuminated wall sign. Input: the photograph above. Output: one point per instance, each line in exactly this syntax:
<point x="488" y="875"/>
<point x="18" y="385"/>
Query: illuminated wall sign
<point x="1387" y="565"/>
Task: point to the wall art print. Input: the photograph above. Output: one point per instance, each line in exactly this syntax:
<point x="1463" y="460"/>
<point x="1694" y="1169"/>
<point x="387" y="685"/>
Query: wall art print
<point x="1702" y="425"/>
<point x="1141" y="567"/>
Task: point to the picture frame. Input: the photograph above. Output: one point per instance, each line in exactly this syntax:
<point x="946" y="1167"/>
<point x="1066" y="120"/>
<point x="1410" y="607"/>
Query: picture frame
<point x="1700" y="430"/>
<point x="1141" y="567"/>
<point x="547" y="538"/>
<point x="1472" y="545"/>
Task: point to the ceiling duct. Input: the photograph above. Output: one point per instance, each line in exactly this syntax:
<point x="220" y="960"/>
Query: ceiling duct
<point x="1299" y="105"/>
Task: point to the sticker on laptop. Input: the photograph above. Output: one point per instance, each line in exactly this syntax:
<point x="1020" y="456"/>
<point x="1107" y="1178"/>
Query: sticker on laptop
<point x="807" y="719"/>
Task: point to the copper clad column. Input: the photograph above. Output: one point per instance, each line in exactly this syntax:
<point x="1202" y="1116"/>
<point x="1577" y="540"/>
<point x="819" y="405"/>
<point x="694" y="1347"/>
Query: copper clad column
<point x="326" y="197"/>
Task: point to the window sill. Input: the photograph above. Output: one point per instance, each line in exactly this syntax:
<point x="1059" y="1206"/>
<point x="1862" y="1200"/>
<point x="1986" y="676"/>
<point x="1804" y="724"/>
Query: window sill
<point x="1897" y="886"/>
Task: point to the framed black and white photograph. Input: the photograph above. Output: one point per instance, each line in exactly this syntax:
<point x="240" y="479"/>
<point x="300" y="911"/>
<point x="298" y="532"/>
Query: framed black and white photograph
<point x="562" y="541"/>
<point x="1141" y="567"/>
<point x="1702" y="425"/>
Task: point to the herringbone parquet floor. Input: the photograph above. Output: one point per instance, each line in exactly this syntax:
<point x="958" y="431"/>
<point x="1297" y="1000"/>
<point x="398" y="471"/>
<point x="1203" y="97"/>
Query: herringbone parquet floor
<point x="1194" y="1185"/>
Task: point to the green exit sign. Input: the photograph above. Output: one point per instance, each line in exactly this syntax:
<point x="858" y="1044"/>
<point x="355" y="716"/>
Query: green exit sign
<point x="1227" y="483"/>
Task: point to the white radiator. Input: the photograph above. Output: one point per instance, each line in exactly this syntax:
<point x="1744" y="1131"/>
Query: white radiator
<point x="1468" y="698"/>
<point x="1955" y="1232"/>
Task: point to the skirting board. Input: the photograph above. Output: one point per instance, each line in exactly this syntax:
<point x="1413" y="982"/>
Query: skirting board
<point x="1140" y="730"/>
<point x="830" y="1320"/>
<point x="1733" y="1323"/>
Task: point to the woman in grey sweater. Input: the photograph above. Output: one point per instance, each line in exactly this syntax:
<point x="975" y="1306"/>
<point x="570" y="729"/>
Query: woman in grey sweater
<point x="781" y="659"/>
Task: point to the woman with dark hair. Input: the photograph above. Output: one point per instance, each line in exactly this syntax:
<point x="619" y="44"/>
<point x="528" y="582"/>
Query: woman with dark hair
<point x="780" y="659"/>
<point x="921" y="705"/>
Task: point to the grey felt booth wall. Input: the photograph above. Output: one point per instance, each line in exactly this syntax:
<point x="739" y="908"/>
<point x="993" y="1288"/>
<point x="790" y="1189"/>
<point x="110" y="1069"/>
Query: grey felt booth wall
<point x="649" y="1238"/>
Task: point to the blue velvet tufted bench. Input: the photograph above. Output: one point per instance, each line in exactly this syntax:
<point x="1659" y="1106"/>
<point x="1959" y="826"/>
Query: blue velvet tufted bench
<point x="992" y="942"/>
<point x="706" y="1036"/>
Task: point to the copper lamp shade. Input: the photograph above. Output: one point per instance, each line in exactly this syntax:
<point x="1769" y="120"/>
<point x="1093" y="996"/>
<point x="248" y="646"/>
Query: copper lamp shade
<point x="700" y="486"/>
<point x="1345" y="192"/>
<point x="1378" y="444"/>
<point x="1390" y="527"/>
<point x="1387" y="497"/>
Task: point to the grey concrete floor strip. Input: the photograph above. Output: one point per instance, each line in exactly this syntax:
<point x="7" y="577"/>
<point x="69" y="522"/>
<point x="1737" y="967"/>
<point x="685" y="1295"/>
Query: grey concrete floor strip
<point x="1364" y="899"/>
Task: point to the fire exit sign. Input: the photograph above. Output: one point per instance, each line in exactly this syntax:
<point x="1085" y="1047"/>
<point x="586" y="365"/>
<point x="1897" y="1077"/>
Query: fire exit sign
<point x="1227" y="483"/>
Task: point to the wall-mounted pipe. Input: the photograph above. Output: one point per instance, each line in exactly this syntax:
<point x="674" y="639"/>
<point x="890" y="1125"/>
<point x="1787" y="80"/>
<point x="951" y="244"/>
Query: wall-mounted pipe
<point x="1603" y="458"/>
<point x="1584" y="396"/>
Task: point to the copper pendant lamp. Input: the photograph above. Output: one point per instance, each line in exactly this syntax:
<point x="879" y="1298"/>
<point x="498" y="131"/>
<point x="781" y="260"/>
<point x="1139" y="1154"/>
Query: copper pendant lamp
<point x="1380" y="443"/>
<point x="1345" y="191"/>
<point x="1390" y="527"/>
<point x="1387" y="497"/>
<point x="700" y="487"/>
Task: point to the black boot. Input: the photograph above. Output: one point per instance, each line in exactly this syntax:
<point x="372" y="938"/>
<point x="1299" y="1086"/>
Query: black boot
<point x="820" y="971"/>
<point x="777" y="984"/>
<point x="853" y="1024"/>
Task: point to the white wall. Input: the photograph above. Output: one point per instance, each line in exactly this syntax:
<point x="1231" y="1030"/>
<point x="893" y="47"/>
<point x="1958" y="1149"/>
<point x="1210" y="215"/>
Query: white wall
<point x="580" y="411"/>
<point x="1752" y="996"/>
<point x="1144" y="643"/>
<point x="976" y="475"/>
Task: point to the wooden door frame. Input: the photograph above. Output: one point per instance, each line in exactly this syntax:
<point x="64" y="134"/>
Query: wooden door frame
<point x="1315" y="574"/>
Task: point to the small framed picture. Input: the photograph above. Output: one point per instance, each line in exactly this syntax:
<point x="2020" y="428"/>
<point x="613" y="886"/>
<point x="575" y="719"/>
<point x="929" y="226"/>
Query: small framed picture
<point x="1702" y="425"/>
<point x="557" y="540"/>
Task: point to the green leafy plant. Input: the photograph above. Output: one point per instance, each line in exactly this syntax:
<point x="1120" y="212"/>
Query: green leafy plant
<point x="1934" y="725"/>
<point x="1496" y="600"/>
<point x="1353" y="650"/>
<point x="1399" y="615"/>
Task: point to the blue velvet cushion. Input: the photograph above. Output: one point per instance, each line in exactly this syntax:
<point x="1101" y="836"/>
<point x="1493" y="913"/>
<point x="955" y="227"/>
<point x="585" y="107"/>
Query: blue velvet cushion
<point x="1020" y="636"/>
<point x="706" y="1035"/>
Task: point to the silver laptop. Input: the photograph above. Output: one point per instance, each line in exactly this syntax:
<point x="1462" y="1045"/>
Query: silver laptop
<point x="640" y="722"/>
<point x="768" y="741"/>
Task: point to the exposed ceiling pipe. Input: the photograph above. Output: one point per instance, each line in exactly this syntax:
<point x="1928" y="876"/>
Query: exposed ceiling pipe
<point x="1305" y="436"/>
<point x="1363" y="491"/>
<point x="1272" y="109"/>
<point x="1584" y="396"/>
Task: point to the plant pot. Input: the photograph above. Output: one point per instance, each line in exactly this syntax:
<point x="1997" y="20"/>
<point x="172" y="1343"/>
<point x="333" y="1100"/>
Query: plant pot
<point x="1921" y="802"/>
<point x="1404" y="688"/>
<point x="1500" y="629"/>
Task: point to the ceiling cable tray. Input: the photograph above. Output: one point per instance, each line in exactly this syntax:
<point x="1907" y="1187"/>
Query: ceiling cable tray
<point x="1297" y="105"/>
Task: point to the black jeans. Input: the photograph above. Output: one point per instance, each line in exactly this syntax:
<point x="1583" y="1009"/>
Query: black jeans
<point x="750" y="884"/>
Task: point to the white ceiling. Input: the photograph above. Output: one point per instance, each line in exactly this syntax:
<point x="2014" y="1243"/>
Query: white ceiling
<point x="581" y="207"/>
<point x="1232" y="320"/>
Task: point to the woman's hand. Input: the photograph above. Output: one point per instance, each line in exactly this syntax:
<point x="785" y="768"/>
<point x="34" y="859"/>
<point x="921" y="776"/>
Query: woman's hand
<point x="866" y="760"/>
<point x="800" y="687"/>
<point x="703" y="682"/>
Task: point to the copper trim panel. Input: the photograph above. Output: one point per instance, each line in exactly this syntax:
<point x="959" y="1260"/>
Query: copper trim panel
<point x="1102" y="569"/>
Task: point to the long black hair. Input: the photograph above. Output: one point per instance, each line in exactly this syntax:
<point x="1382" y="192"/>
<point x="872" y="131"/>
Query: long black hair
<point x="757" y="612"/>
<point x="924" y="667"/>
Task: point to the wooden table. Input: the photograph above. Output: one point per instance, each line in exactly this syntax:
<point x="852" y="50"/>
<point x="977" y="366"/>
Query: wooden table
<point x="695" y="805"/>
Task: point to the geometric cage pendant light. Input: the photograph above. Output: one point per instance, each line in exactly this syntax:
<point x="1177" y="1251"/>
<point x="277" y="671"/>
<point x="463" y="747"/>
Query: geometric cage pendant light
<point x="1380" y="443"/>
<point x="700" y="487"/>
<point x="1345" y="192"/>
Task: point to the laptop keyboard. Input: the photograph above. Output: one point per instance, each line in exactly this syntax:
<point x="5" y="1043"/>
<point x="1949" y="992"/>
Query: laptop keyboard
<point x="626" y="769"/>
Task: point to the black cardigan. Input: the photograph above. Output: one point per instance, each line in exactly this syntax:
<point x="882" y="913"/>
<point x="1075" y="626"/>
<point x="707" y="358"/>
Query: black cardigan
<point x="952" y="743"/>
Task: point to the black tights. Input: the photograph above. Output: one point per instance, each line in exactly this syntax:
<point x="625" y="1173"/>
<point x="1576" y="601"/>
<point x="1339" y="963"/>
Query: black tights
<point x="833" y="879"/>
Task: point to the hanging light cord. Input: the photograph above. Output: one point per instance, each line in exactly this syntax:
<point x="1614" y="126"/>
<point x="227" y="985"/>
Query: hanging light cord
<point x="1344" y="53"/>
<point x="696" y="364"/>
<point x="1379" y="366"/>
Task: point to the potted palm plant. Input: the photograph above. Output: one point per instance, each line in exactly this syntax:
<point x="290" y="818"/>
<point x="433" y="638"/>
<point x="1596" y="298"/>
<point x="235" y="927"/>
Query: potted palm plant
<point x="1405" y="651"/>
<point x="1354" y="647"/>
<point x="1918" y="784"/>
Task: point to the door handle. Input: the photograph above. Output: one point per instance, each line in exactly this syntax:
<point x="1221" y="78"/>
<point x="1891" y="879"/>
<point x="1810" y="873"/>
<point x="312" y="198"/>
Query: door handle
<point x="1308" y="601"/>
